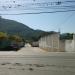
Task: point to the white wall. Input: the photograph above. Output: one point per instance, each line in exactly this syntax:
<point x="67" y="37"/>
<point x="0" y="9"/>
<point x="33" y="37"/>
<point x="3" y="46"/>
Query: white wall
<point x="53" y="43"/>
<point x="50" y="42"/>
<point x="70" y="45"/>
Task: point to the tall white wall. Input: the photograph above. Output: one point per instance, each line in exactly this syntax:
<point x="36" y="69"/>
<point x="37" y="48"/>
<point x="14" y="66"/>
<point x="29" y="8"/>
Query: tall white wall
<point x="53" y="43"/>
<point x="50" y="42"/>
<point x="70" y="45"/>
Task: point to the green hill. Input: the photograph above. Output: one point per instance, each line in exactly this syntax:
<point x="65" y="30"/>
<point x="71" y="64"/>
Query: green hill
<point x="13" y="27"/>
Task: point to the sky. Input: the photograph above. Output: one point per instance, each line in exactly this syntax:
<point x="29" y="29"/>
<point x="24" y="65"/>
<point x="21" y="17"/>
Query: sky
<point x="65" y="21"/>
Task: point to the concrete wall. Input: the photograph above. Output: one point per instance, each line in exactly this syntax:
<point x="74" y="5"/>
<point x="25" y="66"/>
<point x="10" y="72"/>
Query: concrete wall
<point x="62" y="46"/>
<point x="70" y="45"/>
<point x="51" y="43"/>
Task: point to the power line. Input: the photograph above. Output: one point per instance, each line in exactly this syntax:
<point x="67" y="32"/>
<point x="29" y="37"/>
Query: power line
<point x="37" y="4"/>
<point x="66" y="20"/>
<point x="50" y="7"/>
<point x="43" y="7"/>
<point x="39" y="12"/>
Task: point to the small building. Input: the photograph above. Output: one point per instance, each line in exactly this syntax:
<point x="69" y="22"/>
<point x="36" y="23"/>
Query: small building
<point x="35" y="44"/>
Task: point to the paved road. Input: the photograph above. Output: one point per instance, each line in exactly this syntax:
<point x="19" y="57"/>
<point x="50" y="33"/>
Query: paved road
<point x="34" y="61"/>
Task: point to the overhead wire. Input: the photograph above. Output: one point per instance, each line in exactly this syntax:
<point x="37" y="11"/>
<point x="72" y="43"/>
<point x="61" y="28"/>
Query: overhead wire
<point x="38" y="12"/>
<point x="65" y="21"/>
<point x="57" y="6"/>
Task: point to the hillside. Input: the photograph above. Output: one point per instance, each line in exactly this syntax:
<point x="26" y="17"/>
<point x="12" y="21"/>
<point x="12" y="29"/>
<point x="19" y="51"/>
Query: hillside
<point x="13" y="27"/>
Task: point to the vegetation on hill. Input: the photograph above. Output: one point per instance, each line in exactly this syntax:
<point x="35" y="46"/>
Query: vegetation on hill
<point x="65" y="36"/>
<point x="8" y="42"/>
<point x="15" y="28"/>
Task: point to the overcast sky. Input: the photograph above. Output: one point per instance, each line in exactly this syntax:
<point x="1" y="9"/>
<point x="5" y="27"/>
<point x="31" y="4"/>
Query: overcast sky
<point x="65" y="21"/>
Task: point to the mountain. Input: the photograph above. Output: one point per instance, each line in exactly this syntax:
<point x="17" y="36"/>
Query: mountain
<point x="13" y="27"/>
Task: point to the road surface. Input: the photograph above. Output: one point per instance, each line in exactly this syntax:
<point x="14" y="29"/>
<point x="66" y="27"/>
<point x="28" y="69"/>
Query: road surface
<point x="35" y="61"/>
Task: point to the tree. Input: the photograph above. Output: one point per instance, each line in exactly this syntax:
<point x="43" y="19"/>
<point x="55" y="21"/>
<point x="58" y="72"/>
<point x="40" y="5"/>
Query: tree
<point x="15" y="38"/>
<point x="65" y="36"/>
<point x="3" y="36"/>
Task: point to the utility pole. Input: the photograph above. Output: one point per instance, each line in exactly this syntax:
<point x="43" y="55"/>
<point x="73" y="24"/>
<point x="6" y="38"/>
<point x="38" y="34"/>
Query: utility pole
<point x="0" y="20"/>
<point x="59" y="32"/>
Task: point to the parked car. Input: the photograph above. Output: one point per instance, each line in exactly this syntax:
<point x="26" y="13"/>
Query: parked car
<point x="15" y="47"/>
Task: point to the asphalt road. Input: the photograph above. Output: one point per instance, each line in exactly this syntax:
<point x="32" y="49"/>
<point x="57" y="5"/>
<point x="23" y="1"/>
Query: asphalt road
<point x="34" y="61"/>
